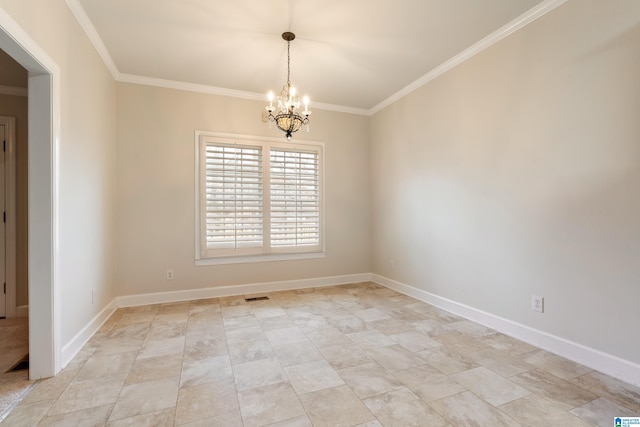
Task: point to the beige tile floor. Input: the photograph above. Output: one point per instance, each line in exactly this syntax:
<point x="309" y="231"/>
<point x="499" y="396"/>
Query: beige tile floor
<point x="14" y="346"/>
<point x="354" y="355"/>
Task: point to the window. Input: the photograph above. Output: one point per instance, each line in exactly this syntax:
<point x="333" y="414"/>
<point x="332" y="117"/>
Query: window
<point x="257" y="199"/>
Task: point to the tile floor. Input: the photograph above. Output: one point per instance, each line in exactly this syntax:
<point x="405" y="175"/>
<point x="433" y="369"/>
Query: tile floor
<point x="14" y="346"/>
<point x="354" y="355"/>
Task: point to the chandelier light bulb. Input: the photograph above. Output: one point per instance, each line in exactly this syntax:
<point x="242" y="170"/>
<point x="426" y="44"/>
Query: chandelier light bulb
<point x="269" y="107"/>
<point x="306" y="111"/>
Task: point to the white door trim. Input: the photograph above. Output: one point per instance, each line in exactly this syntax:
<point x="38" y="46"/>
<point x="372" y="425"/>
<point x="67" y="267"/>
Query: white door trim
<point x="10" y="208"/>
<point x="44" y="139"/>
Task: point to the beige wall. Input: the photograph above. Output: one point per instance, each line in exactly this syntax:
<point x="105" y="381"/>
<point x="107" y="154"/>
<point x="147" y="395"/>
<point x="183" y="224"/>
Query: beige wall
<point x="156" y="190"/>
<point x="86" y="168"/>
<point x="518" y="173"/>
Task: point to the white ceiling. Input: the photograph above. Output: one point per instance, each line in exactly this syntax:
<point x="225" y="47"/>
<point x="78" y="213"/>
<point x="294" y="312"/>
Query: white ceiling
<point x="347" y="53"/>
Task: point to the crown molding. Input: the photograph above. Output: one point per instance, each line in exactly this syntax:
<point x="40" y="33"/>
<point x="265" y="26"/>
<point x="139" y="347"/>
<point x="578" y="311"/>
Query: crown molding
<point x="190" y="87"/>
<point x="14" y="91"/>
<point x="521" y="21"/>
<point x="504" y="31"/>
<point x="95" y="39"/>
<point x="93" y="36"/>
<point x="213" y="90"/>
<point x="339" y="108"/>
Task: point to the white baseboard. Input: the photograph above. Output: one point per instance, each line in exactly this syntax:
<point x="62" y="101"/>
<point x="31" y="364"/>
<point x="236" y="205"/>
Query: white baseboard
<point x="228" y="291"/>
<point x="22" y="311"/>
<point x="80" y="339"/>
<point x="614" y="366"/>
<point x="606" y="363"/>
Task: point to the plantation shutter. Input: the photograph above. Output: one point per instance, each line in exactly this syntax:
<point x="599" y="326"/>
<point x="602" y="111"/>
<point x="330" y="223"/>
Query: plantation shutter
<point x="294" y="198"/>
<point x="257" y="200"/>
<point x="234" y="196"/>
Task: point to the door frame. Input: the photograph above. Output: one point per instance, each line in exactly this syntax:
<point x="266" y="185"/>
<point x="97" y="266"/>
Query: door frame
<point x="43" y="146"/>
<point x="10" y="208"/>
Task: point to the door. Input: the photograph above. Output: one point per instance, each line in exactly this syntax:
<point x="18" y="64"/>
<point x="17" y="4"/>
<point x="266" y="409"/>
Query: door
<point x="3" y="284"/>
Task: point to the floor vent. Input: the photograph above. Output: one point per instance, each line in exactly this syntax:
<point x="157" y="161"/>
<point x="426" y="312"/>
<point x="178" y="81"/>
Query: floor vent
<point x="22" y="365"/>
<point x="256" y="299"/>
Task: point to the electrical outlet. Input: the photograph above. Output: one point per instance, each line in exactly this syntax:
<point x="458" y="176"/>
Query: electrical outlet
<point x="93" y="296"/>
<point x="169" y="274"/>
<point x="537" y="303"/>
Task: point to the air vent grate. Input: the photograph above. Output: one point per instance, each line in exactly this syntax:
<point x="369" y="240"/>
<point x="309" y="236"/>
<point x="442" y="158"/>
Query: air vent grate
<point x="256" y="299"/>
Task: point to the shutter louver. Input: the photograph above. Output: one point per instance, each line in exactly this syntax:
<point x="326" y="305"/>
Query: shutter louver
<point x="234" y="197"/>
<point x="295" y="198"/>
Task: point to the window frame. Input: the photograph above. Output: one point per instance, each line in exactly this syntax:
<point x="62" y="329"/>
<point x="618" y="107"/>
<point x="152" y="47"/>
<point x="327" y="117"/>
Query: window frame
<point x="207" y="256"/>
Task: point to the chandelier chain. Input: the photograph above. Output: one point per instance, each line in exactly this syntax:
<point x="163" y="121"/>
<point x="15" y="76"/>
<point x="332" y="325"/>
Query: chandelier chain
<point x="289" y="63"/>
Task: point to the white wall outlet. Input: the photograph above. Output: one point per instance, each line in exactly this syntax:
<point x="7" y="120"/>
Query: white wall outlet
<point x="537" y="303"/>
<point x="93" y="296"/>
<point x="169" y="274"/>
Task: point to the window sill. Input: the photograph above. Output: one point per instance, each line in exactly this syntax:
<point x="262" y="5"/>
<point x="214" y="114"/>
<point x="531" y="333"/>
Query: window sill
<point x="249" y="259"/>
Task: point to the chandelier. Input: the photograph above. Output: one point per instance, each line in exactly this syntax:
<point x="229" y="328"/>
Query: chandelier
<point x="287" y="116"/>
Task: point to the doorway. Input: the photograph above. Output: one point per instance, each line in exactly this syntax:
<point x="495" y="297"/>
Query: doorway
<point x="8" y="217"/>
<point x="3" y="226"/>
<point x="43" y="134"/>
